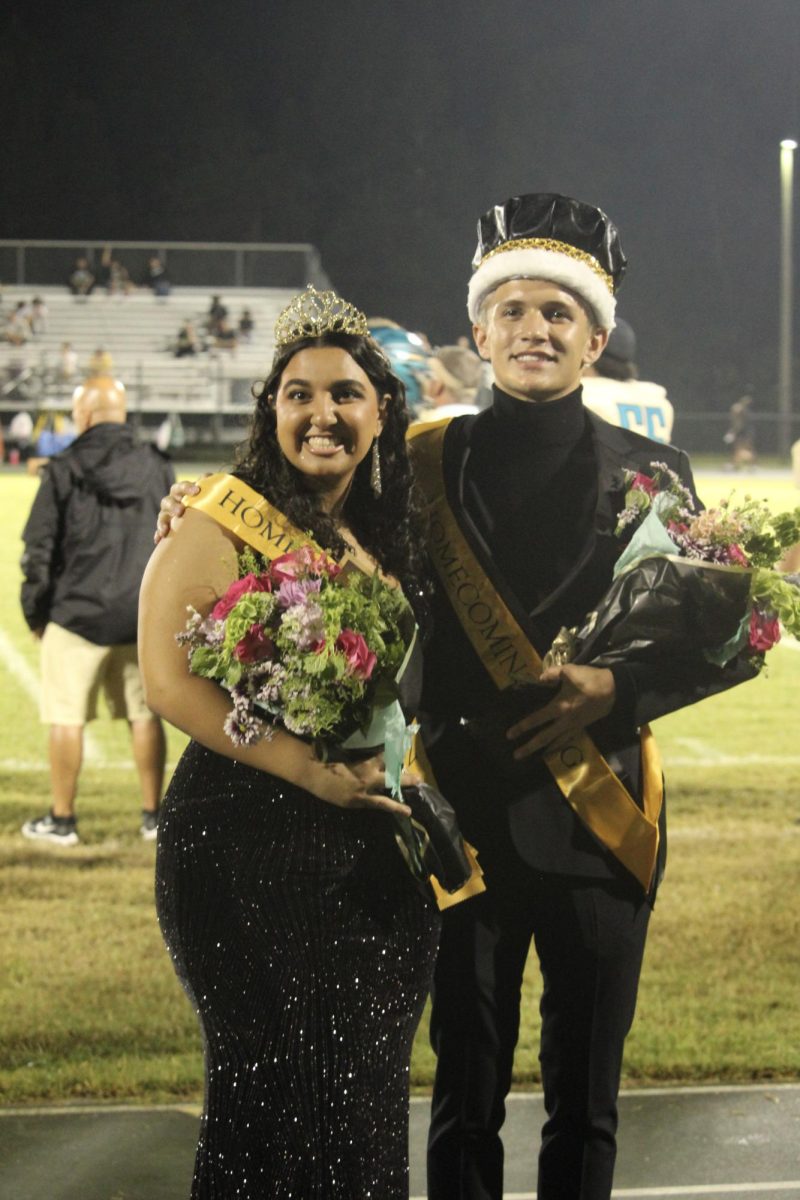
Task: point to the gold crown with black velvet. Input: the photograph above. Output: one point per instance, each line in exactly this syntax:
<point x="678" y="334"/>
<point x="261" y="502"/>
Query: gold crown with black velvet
<point x="313" y="313"/>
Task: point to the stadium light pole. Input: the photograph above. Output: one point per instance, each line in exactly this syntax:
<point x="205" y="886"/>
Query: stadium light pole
<point x="788" y="147"/>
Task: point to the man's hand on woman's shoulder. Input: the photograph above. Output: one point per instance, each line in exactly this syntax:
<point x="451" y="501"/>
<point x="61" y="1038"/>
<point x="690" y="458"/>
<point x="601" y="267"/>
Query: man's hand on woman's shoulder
<point x="172" y="507"/>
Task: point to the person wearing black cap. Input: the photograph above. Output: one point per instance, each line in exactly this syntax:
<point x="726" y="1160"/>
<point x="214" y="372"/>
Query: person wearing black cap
<point x="523" y="500"/>
<point x="613" y="390"/>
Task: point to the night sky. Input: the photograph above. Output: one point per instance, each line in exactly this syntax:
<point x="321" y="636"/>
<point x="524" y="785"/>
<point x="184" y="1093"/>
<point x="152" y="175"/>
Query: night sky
<point x="380" y="131"/>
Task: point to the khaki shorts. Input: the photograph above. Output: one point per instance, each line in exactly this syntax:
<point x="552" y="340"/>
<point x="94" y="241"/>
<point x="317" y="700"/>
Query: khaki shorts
<point x="75" y="671"/>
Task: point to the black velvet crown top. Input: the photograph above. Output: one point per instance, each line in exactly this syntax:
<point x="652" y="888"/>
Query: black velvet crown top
<point x="549" y="215"/>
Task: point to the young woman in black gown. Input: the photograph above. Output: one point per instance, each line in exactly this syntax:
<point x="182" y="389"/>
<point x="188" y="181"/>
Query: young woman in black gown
<point x="294" y="925"/>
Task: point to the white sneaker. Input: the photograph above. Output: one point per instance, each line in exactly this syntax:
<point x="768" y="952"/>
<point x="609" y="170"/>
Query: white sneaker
<point x="149" y="827"/>
<point x="61" y="831"/>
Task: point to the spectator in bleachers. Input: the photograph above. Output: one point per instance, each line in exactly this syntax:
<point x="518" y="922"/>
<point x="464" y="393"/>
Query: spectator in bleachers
<point x="114" y="277"/>
<point x="81" y="281"/>
<point x="187" y="342"/>
<point x="217" y="312"/>
<point x="39" y="315"/>
<point x="156" y="277"/>
<point x="17" y="329"/>
<point x="225" y="337"/>
<point x="67" y="363"/>
<point x="100" y="363"/>
<point x="246" y="325"/>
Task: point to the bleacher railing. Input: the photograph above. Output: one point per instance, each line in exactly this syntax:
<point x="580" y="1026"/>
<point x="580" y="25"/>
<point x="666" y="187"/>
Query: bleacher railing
<point x="189" y="264"/>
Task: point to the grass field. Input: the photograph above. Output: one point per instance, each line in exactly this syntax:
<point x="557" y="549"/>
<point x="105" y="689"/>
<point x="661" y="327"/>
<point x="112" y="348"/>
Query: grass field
<point x="89" y="1006"/>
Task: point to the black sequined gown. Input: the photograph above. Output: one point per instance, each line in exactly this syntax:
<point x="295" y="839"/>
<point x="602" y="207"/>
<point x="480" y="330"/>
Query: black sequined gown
<point x="307" y="951"/>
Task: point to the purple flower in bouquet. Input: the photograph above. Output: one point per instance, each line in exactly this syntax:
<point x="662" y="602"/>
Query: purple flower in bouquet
<point x="242" y="725"/>
<point x="295" y="591"/>
<point x="308" y="626"/>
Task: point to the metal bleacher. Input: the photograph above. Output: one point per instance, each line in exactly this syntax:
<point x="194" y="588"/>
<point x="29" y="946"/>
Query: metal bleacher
<point x="210" y="391"/>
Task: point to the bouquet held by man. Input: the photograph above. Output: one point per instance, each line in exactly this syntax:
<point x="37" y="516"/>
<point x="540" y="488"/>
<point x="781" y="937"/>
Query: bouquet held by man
<point x="700" y="585"/>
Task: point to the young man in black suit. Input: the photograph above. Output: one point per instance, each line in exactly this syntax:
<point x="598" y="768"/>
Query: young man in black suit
<point x="569" y="825"/>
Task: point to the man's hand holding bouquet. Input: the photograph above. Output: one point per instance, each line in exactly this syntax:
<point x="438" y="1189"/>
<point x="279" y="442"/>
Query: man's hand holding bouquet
<point x="693" y="587"/>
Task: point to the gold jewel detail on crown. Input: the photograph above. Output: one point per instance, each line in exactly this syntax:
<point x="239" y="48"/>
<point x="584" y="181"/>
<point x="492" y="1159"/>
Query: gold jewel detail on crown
<point x="556" y="246"/>
<point x="313" y="313"/>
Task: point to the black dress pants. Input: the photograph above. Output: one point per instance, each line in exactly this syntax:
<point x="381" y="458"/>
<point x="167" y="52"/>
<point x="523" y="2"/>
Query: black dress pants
<point x="589" y="936"/>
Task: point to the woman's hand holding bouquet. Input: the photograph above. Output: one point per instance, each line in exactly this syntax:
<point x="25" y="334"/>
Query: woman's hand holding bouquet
<point x="319" y="650"/>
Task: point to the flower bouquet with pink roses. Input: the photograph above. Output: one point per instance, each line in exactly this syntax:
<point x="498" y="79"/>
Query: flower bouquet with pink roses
<point x="320" y="650"/>
<point x="690" y="585"/>
<point x="306" y="643"/>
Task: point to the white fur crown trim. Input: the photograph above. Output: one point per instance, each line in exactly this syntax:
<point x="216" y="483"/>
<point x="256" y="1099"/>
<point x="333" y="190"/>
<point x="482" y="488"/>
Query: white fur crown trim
<point x="537" y="263"/>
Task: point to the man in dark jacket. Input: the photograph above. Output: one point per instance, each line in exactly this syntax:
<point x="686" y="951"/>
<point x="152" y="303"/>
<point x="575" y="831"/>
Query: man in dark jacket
<point x="87" y="541"/>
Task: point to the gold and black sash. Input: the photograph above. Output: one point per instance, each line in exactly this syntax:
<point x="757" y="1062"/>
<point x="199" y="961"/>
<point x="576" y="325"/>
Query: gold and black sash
<point x="247" y="514"/>
<point x="585" y="779"/>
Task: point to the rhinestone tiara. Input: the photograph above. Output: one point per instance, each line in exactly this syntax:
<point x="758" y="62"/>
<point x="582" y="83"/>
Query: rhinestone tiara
<point x="312" y="313"/>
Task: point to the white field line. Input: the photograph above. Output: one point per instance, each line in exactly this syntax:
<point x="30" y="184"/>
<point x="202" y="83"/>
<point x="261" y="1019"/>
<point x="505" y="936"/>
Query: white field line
<point x="702" y="754"/>
<point x="767" y="1091"/>
<point x="700" y="1189"/>
<point x="725" y="1190"/>
<point x="699" y="751"/>
<point x="18" y="666"/>
<point x="21" y="766"/>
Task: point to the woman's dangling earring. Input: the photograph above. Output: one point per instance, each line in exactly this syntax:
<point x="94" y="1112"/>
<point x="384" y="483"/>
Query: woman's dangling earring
<point x="375" y="470"/>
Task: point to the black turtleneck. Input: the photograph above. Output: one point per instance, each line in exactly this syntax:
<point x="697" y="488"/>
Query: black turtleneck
<point x="530" y="487"/>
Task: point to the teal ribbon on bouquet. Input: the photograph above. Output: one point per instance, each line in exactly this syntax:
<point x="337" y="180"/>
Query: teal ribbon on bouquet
<point x="387" y="728"/>
<point x="650" y="540"/>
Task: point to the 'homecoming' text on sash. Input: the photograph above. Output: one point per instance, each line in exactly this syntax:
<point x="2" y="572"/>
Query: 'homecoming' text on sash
<point x="584" y="777"/>
<point x="244" y="512"/>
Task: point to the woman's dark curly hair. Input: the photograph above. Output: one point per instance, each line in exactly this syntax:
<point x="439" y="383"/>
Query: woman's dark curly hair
<point x="389" y="526"/>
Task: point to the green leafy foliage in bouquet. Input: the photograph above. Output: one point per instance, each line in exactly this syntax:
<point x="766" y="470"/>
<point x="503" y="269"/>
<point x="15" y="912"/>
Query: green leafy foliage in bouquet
<point x="742" y="534"/>
<point x="304" y="642"/>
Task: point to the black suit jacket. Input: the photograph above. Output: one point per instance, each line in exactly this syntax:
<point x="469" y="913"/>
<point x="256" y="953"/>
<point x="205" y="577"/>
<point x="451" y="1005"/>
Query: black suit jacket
<point x="521" y="815"/>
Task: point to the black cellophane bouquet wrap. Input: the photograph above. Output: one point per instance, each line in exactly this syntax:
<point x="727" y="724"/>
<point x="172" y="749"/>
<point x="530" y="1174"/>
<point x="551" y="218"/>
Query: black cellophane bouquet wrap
<point x="430" y="839"/>
<point x="693" y="588"/>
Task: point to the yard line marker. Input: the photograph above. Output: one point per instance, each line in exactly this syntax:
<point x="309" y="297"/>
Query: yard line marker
<point x="22" y="765"/>
<point x="732" y="760"/>
<point x="701" y="750"/>
<point x="702" y="1189"/>
<point x="671" y="760"/>
<point x="18" y="666"/>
